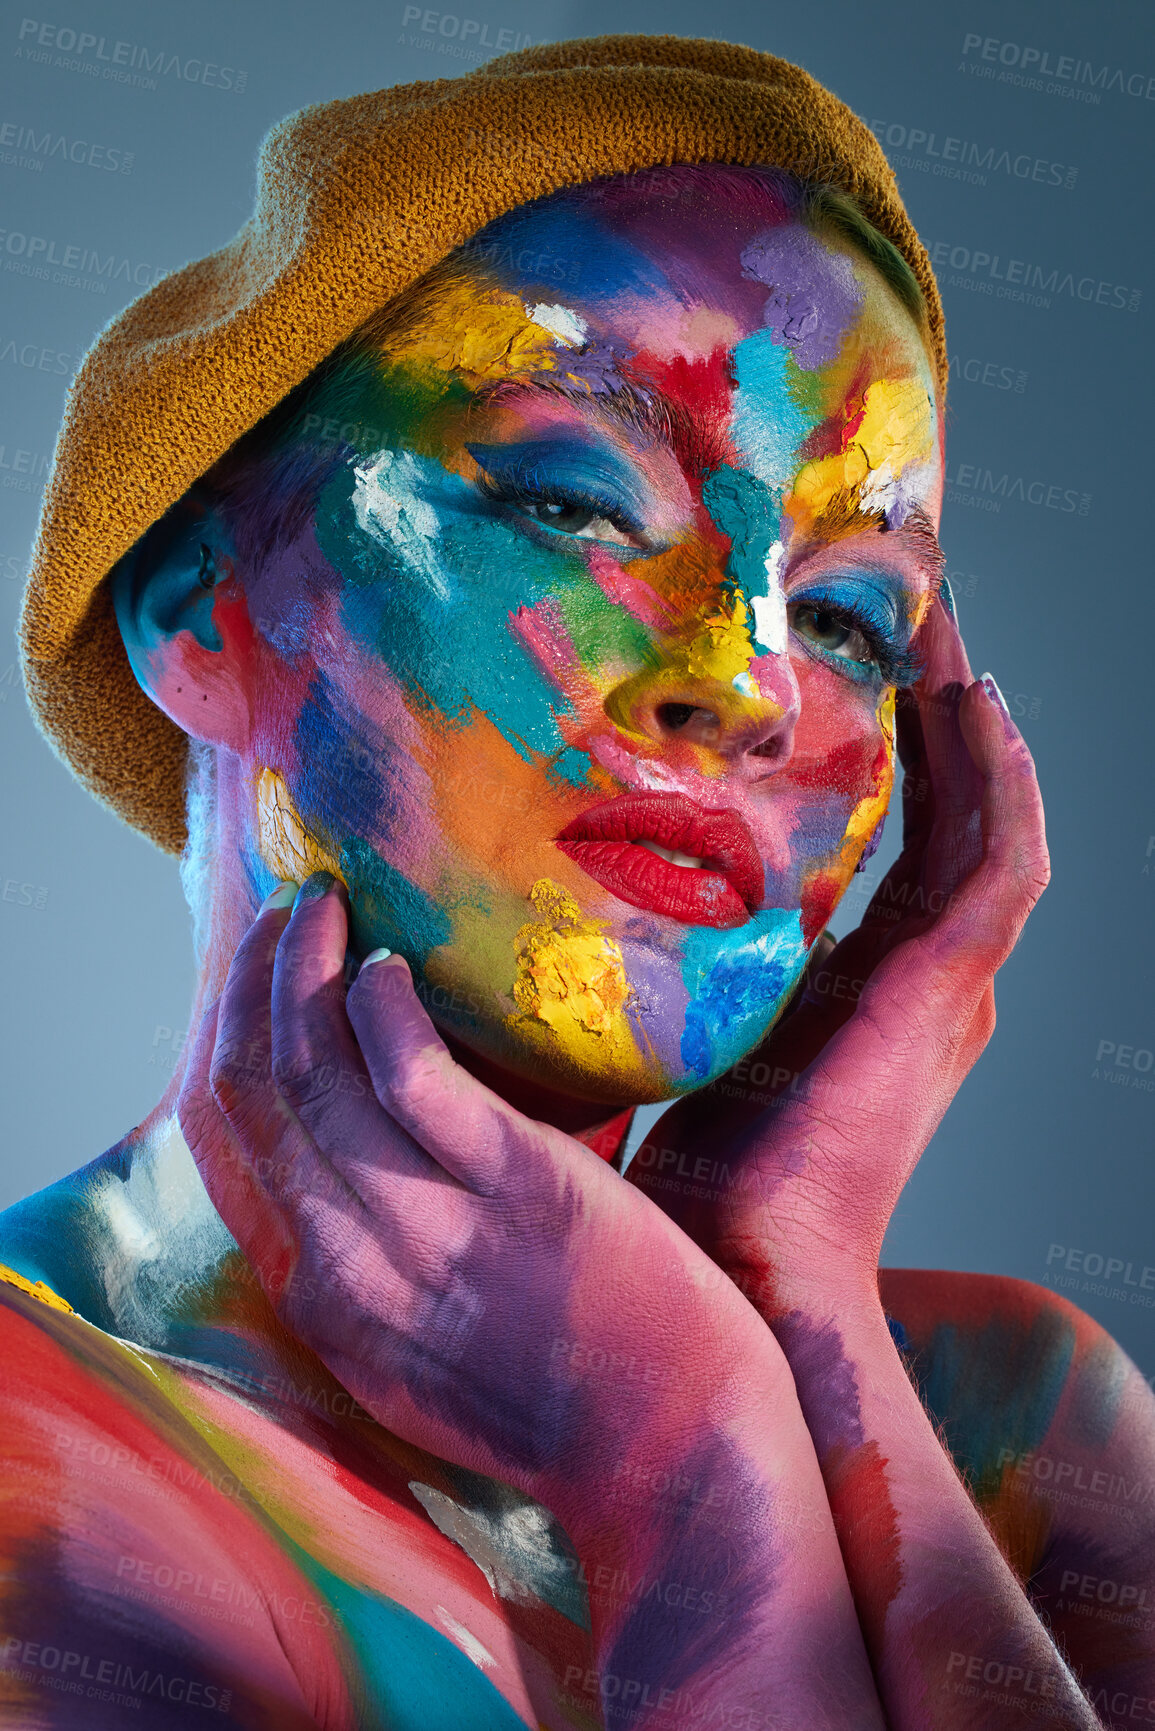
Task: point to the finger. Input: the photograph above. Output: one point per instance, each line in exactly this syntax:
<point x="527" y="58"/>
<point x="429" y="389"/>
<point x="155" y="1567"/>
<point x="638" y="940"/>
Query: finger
<point x="895" y="892"/>
<point x="317" y="1065"/>
<point x="276" y="1146"/>
<point x="944" y="656"/>
<point x="954" y="844"/>
<point x="241" y="1200"/>
<point x="988" y="910"/>
<point x="911" y="744"/>
<point x="466" y="1128"/>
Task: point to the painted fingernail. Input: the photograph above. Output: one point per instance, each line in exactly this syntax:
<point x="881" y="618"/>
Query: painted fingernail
<point x="283" y="896"/>
<point x="317" y="884"/>
<point x="946" y="596"/>
<point x="990" y="686"/>
<point x="376" y="956"/>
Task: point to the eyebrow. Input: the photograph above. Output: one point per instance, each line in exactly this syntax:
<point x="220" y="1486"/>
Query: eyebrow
<point x="700" y="449"/>
<point x="647" y="410"/>
<point x="843" y="517"/>
<point x="917" y="526"/>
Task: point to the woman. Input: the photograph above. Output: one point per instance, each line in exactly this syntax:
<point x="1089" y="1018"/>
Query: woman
<point x="534" y="558"/>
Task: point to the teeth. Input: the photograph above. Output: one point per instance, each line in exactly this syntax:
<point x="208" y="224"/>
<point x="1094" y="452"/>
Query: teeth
<point x="679" y="859"/>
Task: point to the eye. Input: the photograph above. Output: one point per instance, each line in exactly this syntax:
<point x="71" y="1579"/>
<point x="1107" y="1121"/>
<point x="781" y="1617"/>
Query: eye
<point x="832" y="631"/>
<point x="573" y="517"/>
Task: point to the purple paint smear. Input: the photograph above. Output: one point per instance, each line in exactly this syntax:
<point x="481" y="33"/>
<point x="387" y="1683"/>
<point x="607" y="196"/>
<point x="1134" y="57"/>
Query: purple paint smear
<point x="814" y="294"/>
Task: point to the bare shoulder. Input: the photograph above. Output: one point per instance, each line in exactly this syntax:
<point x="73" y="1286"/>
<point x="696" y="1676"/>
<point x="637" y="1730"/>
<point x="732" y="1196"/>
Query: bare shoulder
<point x="1053" y="1427"/>
<point x="265" y="1552"/>
<point x="1008" y="1367"/>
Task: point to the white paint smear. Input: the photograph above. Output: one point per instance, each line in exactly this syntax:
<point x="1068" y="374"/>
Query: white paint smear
<point x="469" y="1644"/>
<point x="388" y="506"/>
<point x="769" y="610"/>
<point x="559" y="321"/>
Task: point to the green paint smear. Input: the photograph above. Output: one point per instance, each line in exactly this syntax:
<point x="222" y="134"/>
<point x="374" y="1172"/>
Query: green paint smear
<point x="995" y="1388"/>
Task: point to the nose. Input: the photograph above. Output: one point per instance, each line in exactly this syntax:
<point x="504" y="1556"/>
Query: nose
<point x="747" y="720"/>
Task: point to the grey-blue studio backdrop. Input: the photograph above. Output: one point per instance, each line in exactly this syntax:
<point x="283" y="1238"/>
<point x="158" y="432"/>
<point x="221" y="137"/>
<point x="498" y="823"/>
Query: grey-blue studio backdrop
<point x="1022" y="140"/>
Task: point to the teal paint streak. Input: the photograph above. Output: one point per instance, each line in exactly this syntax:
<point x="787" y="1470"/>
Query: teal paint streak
<point x="388" y="909"/>
<point x="572" y="767"/>
<point x="737" y="983"/>
<point x="741" y="508"/>
<point x="994" y="1388"/>
<point x="413" y="1677"/>
<point x="454" y="650"/>
<point x="770" y="424"/>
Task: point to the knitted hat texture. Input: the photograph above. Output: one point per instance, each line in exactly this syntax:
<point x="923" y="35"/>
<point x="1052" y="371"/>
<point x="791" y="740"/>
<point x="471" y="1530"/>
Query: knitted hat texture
<point x="356" y="199"/>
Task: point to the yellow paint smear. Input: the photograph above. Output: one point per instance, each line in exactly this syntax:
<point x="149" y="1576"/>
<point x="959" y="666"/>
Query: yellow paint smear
<point x="722" y="647"/>
<point x="287" y="848"/>
<point x="897" y="429"/>
<point x="483" y="332"/>
<point x="35" y="1289"/>
<point x="570" y="976"/>
<point x="867" y="814"/>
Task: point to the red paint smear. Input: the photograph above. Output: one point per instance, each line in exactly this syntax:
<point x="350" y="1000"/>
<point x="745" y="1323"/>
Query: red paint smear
<point x="84" y="1527"/>
<point x="836" y="434"/>
<point x="852" y="426"/>
<point x="843" y="767"/>
<point x="704" y="389"/>
<point x="860" y="1502"/>
<point x="819" y="900"/>
<point x="606" y="1139"/>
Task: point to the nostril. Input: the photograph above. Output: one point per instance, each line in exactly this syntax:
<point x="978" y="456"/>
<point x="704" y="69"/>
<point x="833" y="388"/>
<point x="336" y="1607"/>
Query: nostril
<point x="675" y="716"/>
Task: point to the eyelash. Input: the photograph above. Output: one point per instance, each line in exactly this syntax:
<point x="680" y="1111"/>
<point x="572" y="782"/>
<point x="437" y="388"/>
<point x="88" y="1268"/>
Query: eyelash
<point x="895" y="666"/>
<point x="511" y="490"/>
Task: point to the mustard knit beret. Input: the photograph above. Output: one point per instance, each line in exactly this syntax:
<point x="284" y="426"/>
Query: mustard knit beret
<point x="356" y="199"/>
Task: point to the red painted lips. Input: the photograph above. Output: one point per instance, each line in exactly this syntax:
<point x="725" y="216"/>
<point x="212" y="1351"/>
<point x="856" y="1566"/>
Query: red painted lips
<point x="723" y="891"/>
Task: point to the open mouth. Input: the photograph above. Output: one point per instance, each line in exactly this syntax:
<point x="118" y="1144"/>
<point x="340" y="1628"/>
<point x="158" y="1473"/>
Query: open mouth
<point x="662" y="852"/>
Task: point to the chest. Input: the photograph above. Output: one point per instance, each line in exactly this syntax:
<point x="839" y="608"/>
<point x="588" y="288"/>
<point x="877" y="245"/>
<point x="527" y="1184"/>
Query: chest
<point x="273" y="1543"/>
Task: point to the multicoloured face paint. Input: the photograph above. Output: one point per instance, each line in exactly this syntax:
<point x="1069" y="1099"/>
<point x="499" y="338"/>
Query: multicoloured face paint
<point x="661" y="538"/>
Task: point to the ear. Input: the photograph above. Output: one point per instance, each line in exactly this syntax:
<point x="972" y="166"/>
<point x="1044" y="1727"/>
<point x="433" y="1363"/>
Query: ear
<point x="185" y="624"/>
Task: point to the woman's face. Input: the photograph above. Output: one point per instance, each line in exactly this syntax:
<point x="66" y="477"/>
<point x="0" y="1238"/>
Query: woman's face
<point x="582" y="673"/>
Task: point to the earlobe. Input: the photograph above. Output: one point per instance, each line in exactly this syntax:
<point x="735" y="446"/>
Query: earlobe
<point x="184" y="621"/>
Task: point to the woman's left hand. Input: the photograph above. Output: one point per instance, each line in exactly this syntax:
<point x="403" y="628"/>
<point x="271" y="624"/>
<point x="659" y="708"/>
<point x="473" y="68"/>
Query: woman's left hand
<point x="791" y="1187"/>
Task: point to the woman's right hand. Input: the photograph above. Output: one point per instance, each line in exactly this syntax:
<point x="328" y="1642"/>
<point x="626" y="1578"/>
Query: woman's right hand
<point x="485" y="1285"/>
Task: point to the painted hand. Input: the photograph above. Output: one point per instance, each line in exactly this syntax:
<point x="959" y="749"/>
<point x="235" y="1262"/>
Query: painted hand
<point x="483" y="1284"/>
<point x="793" y="1185"/>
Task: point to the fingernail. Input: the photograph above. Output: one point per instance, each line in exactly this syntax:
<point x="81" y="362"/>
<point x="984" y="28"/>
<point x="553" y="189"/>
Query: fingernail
<point x="316" y="885"/>
<point x="283" y="896"/>
<point x="376" y="956"/>
<point x="946" y="596"/>
<point x="990" y="686"/>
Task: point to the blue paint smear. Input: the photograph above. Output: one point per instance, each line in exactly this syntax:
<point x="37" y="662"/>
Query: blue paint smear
<point x="572" y="249"/>
<point x="571" y="766"/>
<point x="737" y="981"/>
<point x="770" y="425"/>
<point x="414" y="1678"/>
<point x="346" y="762"/>
<point x="995" y="1387"/>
